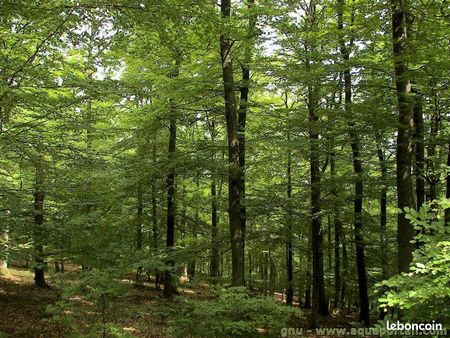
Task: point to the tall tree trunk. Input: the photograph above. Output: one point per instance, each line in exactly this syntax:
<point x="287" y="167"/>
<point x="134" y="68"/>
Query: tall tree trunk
<point x="447" y="194"/>
<point x="357" y="168"/>
<point x="154" y="238"/>
<point x="383" y="211"/>
<point x="215" y="255"/>
<point x="139" y="217"/>
<point x="170" y="237"/>
<point x="345" y="269"/>
<point x="214" y="232"/>
<point x="234" y="172"/>
<point x="289" y="263"/>
<point x="308" y="276"/>
<point x="337" y="233"/>
<point x="242" y="117"/>
<point x="420" y="151"/>
<point x="38" y="231"/>
<point x="192" y="266"/>
<point x="405" y="231"/>
<point x="319" y="302"/>
<point x="431" y="160"/>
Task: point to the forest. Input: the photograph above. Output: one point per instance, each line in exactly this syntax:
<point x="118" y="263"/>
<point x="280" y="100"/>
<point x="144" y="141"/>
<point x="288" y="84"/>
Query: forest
<point x="225" y="168"/>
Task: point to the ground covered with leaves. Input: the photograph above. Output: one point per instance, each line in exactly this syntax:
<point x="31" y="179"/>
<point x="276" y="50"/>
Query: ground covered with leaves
<point x="96" y="307"/>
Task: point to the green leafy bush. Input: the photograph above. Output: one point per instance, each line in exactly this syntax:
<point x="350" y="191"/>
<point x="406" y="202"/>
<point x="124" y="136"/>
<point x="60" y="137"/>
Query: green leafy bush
<point x="232" y="313"/>
<point x="423" y="294"/>
<point x="89" y="304"/>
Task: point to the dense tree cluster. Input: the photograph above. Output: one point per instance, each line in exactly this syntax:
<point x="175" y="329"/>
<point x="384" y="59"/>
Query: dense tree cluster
<point x="299" y="147"/>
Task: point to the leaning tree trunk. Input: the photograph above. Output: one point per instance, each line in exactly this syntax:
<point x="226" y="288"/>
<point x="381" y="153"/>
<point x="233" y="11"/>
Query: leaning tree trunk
<point x="234" y="172"/>
<point x="405" y="231"/>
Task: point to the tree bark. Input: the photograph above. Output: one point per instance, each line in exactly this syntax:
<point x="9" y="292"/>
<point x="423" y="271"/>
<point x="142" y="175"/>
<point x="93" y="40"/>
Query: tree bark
<point x="242" y="118"/>
<point x="170" y="237"/>
<point x="357" y="169"/>
<point x="319" y="302"/>
<point x="154" y="242"/>
<point x="337" y="233"/>
<point x="5" y="240"/>
<point x="38" y="233"/>
<point x="139" y="217"/>
<point x="345" y="269"/>
<point x="420" y="151"/>
<point x="234" y="172"/>
<point x="308" y="276"/>
<point x="405" y="231"/>
<point x="383" y="212"/>
<point x="289" y="253"/>
<point x="447" y="194"/>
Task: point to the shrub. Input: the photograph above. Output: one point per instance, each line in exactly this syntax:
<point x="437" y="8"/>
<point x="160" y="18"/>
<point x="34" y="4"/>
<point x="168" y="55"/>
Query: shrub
<point x="232" y="313"/>
<point x="423" y="294"/>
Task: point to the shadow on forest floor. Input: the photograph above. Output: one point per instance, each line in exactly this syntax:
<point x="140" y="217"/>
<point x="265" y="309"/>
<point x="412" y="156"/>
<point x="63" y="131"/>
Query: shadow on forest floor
<point x="23" y="310"/>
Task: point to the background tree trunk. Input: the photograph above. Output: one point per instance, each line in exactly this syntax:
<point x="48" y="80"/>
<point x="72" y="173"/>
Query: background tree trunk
<point x="405" y="231"/>
<point x="337" y="233"/>
<point x="234" y="172"/>
<point x="319" y="302"/>
<point x="38" y="233"/>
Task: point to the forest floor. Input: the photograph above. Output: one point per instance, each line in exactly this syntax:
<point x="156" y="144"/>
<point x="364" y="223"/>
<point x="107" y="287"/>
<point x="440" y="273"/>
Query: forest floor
<point x="24" y="311"/>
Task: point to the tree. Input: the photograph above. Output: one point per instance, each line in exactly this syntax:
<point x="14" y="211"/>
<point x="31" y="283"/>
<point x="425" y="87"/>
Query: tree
<point x="400" y="27"/>
<point x="234" y="172"/>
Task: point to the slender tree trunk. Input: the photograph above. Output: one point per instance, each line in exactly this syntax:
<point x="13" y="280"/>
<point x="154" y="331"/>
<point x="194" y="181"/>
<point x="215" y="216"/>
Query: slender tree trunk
<point x="272" y="274"/>
<point x="383" y="212"/>
<point x="154" y="242"/>
<point x="215" y="254"/>
<point x="192" y="266"/>
<point x="214" y="232"/>
<point x="431" y="154"/>
<point x="139" y="217"/>
<point x="447" y="194"/>
<point x="289" y="254"/>
<point x="405" y="231"/>
<point x="357" y="169"/>
<point x="170" y="237"/>
<point x="345" y="269"/>
<point x="420" y="151"/>
<point x="234" y="172"/>
<point x="5" y="240"/>
<point x="319" y="302"/>
<point x="308" y="278"/>
<point x="38" y="233"/>
<point x="337" y="233"/>
<point x="242" y="118"/>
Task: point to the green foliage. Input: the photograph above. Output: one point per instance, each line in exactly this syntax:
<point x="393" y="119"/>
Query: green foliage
<point x="90" y="303"/>
<point x="424" y="293"/>
<point x="232" y="313"/>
